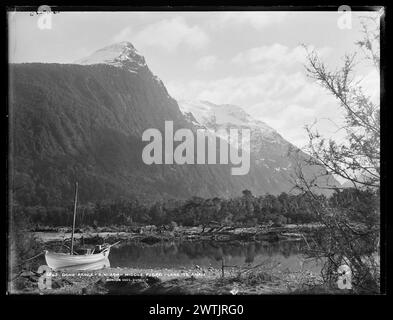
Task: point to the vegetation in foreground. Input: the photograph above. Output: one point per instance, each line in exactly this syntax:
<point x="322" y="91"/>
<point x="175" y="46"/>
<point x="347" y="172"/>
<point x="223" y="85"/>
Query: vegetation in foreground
<point x="348" y="252"/>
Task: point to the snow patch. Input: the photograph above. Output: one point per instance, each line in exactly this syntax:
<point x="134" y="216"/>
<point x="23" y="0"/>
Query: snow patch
<point x="227" y="115"/>
<point x="121" y="54"/>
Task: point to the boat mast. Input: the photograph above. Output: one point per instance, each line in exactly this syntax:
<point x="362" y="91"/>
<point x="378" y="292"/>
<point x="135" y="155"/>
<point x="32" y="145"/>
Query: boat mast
<point x="73" y="223"/>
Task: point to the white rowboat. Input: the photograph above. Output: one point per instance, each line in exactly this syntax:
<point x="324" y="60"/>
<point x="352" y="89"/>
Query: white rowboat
<point x="90" y="261"/>
<point x="57" y="261"/>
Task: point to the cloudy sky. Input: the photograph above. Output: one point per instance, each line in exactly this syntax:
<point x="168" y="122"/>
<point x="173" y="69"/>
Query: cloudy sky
<point x="251" y="59"/>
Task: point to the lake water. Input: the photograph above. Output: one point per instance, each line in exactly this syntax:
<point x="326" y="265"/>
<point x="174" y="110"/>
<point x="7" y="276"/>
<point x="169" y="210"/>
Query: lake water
<point x="209" y="254"/>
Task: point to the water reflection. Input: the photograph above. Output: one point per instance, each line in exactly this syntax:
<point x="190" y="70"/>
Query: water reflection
<point x="207" y="253"/>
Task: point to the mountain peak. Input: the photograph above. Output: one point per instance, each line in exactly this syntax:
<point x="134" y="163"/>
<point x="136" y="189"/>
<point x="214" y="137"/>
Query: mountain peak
<point x="207" y="113"/>
<point x="124" y="44"/>
<point x="122" y="54"/>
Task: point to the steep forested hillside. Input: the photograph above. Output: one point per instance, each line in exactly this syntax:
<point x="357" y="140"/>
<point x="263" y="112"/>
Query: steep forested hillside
<point x="84" y="122"/>
<point x="72" y="122"/>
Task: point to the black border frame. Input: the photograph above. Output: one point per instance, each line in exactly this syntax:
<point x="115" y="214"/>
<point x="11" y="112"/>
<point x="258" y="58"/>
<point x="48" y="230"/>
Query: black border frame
<point x="257" y="302"/>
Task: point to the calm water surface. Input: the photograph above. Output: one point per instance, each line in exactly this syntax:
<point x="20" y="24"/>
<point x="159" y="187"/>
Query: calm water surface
<point x="208" y="254"/>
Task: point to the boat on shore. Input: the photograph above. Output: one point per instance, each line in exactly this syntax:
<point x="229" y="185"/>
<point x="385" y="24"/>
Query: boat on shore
<point x="91" y="260"/>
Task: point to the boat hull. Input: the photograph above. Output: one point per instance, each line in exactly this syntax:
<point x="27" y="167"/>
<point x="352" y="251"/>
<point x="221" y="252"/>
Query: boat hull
<point x="61" y="261"/>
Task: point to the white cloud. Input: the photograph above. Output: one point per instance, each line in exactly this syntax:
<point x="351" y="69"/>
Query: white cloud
<point x="279" y="93"/>
<point x="123" y="35"/>
<point x="233" y="89"/>
<point x="206" y="63"/>
<point x="286" y="101"/>
<point x="276" y="54"/>
<point x="291" y="118"/>
<point x="168" y="34"/>
<point x="257" y="20"/>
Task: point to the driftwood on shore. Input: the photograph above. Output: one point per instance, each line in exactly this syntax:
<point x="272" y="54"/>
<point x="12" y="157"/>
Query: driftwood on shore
<point x="154" y="235"/>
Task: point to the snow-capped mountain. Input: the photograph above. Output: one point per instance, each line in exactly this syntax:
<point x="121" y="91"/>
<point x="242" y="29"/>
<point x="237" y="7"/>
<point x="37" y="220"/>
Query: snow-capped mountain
<point x="86" y="120"/>
<point x="214" y="116"/>
<point x="122" y="54"/>
<point x="273" y="156"/>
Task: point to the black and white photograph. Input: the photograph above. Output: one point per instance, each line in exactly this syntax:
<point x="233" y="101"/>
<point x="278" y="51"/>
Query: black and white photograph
<point x="194" y="152"/>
